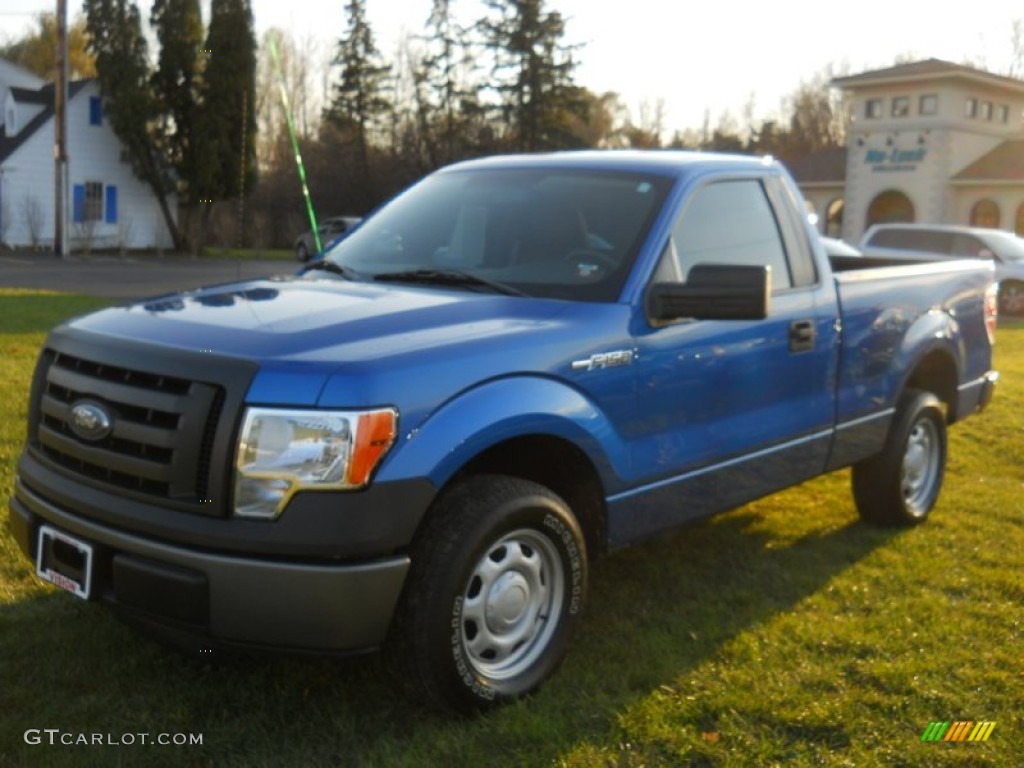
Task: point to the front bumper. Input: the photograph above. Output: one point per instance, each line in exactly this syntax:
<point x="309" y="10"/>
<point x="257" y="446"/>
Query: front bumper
<point x="227" y="599"/>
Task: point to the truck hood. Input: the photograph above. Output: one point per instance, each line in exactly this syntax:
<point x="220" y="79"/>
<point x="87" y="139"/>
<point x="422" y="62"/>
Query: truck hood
<point x="332" y="343"/>
<point x="317" y="320"/>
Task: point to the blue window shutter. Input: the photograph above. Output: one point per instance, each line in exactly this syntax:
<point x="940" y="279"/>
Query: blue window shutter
<point x="78" y="207"/>
<point x="95" y="110"/>
<point x="111" y="204"/>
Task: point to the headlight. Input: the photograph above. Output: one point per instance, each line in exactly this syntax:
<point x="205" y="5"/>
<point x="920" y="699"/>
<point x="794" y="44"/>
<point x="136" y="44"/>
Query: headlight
<point x="283" y="451"/>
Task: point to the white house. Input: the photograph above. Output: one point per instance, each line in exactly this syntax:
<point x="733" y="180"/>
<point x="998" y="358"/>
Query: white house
<point x="931" y="141"/>
<point x="109" y="206"/>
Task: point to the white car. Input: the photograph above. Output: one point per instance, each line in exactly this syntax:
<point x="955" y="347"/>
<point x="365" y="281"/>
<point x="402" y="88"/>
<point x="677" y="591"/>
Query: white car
<point x="957" y="242"/>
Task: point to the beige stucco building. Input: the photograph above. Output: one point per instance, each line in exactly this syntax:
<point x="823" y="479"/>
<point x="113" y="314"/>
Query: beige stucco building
<point x="931" y="142"/>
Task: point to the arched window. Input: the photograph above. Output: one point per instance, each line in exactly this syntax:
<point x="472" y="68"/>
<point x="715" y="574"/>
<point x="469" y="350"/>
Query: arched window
<point x="834" y="218"/>
<point x="890" y="206"/>
<point x="985" y="213"/>
<point x="1020" y="220"/>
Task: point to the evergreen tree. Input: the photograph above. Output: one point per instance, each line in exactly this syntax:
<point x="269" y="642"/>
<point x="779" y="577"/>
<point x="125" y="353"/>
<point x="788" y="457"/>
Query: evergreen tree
<point x="176" y="89"/>
<point x="359" y="96"/>
<point x="533" y="70"/>
<point x="122" y="64"/>
<point x="227" y="143"/>
<point x="439" y="75"/>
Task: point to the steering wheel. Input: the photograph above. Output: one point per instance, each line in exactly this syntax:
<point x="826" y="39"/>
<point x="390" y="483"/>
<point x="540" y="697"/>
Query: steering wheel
<point x="589" y="254"/>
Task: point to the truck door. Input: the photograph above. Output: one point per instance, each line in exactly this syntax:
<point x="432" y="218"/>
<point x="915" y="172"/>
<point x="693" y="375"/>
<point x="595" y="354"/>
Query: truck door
<point x="731" y="410"/>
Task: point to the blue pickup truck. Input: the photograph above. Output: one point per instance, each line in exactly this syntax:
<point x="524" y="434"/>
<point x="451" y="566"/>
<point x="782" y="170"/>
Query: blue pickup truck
<point x="518" y="364"/>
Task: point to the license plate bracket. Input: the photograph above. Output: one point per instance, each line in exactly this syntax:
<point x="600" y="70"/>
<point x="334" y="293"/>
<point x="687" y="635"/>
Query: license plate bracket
<point x="64" y="561"/>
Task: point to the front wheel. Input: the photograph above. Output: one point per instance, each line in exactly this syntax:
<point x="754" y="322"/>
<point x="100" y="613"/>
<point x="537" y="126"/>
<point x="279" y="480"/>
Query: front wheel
<point x="900" y="485"/>
<point x="494" y="593"/>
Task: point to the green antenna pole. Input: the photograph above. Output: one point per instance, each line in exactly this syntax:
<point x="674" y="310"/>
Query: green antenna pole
<point x="295" y="147"/>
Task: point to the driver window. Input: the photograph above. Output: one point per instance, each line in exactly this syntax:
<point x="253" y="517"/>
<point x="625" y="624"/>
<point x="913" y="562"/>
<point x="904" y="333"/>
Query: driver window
<point x="726" y="222"/>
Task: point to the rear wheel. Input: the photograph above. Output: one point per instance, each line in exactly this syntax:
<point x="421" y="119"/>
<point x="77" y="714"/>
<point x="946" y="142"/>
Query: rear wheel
<point x="900" y="485"/>
<point x="494" y="593"/>
<point x="1011" y="298"/>
<point x="302" y="252"/>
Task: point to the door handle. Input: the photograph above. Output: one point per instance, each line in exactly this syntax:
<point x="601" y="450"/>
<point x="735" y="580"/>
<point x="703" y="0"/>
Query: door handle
<point x="802" y="334"/>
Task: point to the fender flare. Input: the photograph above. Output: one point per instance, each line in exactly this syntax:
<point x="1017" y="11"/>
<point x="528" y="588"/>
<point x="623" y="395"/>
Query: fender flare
<point x="500" y="410"/>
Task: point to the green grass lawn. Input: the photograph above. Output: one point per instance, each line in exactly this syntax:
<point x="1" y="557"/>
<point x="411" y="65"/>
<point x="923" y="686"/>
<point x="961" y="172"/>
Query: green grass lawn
<point x="785" y="632"/>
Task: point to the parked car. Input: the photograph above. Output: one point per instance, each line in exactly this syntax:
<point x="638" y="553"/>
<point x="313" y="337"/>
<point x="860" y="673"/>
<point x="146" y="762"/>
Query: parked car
<point x="957" y="242"/>
<point x="515" y="366"/>
<point x="330" y="229"/>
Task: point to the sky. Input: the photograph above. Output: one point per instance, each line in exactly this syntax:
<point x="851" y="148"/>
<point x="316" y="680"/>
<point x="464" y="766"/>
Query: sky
<point x="696" y="58"/>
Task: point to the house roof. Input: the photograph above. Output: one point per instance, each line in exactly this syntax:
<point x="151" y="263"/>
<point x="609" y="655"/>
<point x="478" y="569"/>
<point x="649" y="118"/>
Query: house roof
<point x="927" y="69"/>
<point x="820" y="167"/>
<point x="42" y="95"/>
<point x="1004" y="163"/>
<point x="10" y="144"/>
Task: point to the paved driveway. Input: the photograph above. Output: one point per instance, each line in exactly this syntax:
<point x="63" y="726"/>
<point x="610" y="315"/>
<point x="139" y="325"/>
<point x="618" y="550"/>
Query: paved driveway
<point x="129" y="278"/>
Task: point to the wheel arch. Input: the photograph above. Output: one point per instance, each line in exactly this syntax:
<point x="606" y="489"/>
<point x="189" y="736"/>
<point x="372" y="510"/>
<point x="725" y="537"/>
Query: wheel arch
<point x="936" y="372"/>
<point x="557" y="464"/>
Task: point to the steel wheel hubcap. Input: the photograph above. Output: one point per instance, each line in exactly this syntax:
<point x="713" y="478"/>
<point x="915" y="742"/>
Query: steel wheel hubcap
<point x="512" y="603"/>
<point x="920" y="465"/>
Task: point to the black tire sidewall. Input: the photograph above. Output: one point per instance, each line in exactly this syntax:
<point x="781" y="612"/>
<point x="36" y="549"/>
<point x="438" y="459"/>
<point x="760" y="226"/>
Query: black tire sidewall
<point x="878" y="483"/>
<point x="522" y="505"/>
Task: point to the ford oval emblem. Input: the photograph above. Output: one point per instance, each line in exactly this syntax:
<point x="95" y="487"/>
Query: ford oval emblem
<point x="90" y="421"/>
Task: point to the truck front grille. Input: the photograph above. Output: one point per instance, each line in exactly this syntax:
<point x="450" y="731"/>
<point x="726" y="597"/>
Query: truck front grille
<point x="163" y="428"/>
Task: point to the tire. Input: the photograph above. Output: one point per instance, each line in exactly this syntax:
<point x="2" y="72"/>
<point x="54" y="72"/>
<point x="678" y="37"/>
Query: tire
<point x="1011" y="298"/>
<point x="302" y="253"/>
<point x="900" y="485"/>
<point x="494" y="593"/>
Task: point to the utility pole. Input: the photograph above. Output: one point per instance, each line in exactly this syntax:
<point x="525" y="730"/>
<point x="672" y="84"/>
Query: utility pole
<point x="60" y="147"/>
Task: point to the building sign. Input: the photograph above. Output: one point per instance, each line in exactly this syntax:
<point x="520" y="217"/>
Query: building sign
<point x="895" y="159"/>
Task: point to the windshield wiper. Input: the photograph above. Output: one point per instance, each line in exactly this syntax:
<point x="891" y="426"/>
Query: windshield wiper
<point x="335" y="269"/>
<point x="453" y="277"/>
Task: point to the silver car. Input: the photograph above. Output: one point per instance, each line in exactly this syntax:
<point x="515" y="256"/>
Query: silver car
<point x="330" y="229"/>
<point x="957" y="242"/>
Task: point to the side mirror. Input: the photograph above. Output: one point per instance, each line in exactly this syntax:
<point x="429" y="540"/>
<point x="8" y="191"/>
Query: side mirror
<point x="714" y="292"/>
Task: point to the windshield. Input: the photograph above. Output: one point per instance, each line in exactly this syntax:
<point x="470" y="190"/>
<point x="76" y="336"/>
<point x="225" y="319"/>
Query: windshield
<point x="554" y="233"/>
<point x="1006" y="246"/>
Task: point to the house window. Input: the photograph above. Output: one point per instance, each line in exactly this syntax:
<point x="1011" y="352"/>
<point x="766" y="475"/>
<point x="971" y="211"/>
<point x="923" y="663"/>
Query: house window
<point x="1004" y="113"/>
<point x="88" y="202"/>
<point x="986" y="110"/>
<point x="900" y="106"/>
<point x="929" y="104"/>
<point x="873" y="109"/>
<point x="971" y="108"/>
<point x="95" y="110"/>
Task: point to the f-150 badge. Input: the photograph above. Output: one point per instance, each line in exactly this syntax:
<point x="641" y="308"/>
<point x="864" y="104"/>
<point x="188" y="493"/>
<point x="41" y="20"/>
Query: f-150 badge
<point x="604" y="360"/>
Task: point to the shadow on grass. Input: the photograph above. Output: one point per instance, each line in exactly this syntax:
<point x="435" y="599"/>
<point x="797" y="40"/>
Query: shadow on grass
<point x="656" y="612"/>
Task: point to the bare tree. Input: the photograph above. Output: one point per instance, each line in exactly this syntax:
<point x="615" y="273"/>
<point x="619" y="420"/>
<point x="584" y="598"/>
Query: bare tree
<point x="1016" y="68"/>
<point x="5" y="220"/>
<point x="85" y="234"/>
<point x="124" y="234"/>
<point x="32" y="210"/>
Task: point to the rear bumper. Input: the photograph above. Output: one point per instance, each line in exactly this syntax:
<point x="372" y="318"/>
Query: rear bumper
<point x="227" y="599"/>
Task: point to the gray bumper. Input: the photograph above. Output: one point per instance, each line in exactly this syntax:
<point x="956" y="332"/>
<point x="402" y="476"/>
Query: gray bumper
<point x="276" y="603"/>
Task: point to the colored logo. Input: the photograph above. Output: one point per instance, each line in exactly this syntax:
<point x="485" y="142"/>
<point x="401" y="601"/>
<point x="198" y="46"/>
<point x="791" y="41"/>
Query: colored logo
<point x="961" y="730"/>
<point x="90" y="421"/>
